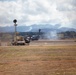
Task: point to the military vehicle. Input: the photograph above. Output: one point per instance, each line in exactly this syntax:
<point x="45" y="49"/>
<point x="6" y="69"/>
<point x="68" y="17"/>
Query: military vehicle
<point x="35" y="37"/>
<point x="20" y="40"/>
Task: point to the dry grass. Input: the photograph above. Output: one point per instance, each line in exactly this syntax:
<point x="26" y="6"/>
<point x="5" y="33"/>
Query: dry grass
<point x="38" y="60"/>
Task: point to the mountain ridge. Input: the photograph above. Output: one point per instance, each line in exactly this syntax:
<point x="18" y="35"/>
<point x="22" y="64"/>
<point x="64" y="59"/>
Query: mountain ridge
<point x="35" y="28"/>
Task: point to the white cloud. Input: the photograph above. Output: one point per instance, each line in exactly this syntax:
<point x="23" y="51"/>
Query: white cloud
<point x="29" y="12"/>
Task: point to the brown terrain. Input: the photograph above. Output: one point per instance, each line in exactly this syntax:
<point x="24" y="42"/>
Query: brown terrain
<point x="39" y="58"/>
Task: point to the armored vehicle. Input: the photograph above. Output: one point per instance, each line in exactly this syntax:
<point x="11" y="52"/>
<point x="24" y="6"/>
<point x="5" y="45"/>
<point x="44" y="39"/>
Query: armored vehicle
<point x="19" y="40"/>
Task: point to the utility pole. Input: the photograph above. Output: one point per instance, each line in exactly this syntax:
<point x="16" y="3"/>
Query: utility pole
<point x="15" y="21"/>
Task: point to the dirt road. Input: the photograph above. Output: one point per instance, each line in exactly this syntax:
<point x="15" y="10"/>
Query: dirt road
<point x="53" y="42"/>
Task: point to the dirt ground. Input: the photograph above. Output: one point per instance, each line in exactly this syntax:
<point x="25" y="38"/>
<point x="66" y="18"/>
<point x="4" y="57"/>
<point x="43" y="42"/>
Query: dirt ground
<point x="38" y="60"/>
<point x="54" y="42"/>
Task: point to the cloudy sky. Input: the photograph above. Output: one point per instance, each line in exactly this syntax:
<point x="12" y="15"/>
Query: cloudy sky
<point x="29" y="12"/>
